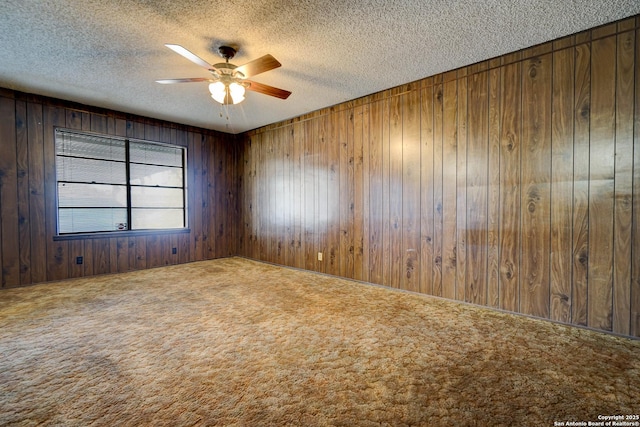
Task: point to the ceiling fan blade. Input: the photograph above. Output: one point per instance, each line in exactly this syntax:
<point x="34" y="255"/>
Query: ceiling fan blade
<point x="268" y="90"/>
<point x="257" y="66"/>
<point x="191" y="80"/>
<point x="190" y="56"/>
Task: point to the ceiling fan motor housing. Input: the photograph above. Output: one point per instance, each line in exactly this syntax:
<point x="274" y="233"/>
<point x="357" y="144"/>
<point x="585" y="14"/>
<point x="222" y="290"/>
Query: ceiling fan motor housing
<point x="226" y="69"/>
<point x="227" y="52"/>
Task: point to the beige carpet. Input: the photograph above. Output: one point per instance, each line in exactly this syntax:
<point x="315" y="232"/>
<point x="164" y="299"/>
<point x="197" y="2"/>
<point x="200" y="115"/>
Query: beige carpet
<point x="237" y="342"/>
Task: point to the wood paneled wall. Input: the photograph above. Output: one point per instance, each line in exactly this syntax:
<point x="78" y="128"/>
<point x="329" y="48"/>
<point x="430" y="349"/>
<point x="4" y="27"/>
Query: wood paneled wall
<point x="28" y="252"/>
<point x="513" y="183"/>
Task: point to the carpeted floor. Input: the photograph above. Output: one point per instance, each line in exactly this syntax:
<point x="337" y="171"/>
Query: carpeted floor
<point x="238" y="342"/>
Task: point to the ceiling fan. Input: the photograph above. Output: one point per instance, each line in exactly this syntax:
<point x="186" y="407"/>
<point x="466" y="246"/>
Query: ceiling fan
<point x="228" y="82"/>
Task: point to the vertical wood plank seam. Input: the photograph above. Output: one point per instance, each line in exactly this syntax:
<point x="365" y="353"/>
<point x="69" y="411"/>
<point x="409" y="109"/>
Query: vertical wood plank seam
<point x="419" y="219"/>
<point x="520" y="214"/>
<point x="441" y="190"/>
<point x="455" y="239"/>
<point x="485" y="297"/>
<point x="499" y="225"/>
<point x="633" y="182"/>
<point x="403" y="245"/>
<point x="550" y="246"/>
<point x="588" y="219"/>
<point x="466" y="193"/>
<point x="634" y="219"/>
<point x="615" y="182"/>
<point x="433" y="193"/>
<point x="387" y="224"/>
<point x="2" y="278"/>
<point x="613" y="207"/>
<point x="26" y="215"/>
<point x="29" y="178"/>
<point x="421" y="282"/>
<point x="573" y="183"/>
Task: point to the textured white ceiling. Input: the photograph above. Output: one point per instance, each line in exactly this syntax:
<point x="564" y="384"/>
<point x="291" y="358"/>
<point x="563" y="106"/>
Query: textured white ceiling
<point x="108" y="53"/>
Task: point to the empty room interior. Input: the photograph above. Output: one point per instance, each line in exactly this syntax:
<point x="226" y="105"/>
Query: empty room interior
<point x="379" y="213"/>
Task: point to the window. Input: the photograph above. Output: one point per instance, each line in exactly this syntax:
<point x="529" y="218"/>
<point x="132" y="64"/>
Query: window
<point x="106" y="183"/>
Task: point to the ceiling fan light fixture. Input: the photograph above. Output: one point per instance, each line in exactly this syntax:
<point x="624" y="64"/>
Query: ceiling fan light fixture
<point x="230" y="93"/>
<point x="237" y="92"/>
<point x="229" y="83"/>
<point x="218" y="92"/>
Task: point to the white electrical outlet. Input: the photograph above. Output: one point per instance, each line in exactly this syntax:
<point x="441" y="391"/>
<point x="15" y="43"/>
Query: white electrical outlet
<point x="319" y="256"/>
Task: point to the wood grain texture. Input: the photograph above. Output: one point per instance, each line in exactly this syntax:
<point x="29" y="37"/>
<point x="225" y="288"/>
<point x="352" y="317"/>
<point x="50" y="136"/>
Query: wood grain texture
<point x="258" y="228"/>
<point x="601" y="183"/>
<point x="263" y="205"/>
<point x="493" y="189"/>
<point x="217" y="196"/>
<point x="582" y="91"/>
<point x="477" y="186"/>
<point x="561" y="185"/>
<point x="195" y="157"/>
<point x="536" y="191"/>
<point x="9" y="233"/>
<point x="22" y="163"/>
<point x="289" y="192"/>
<point x="386" y="188"/>
<point x="229" y="188"/>
<point x="366" y="192"/>
<point x="269" y="244"/>
<point x="635" y="225"/>
<point x="623" y="191"/>
<point x="358" y="193"/>
<point x="320" y="191"/>
<point x="461" y="190"/>
<point x="449" y="188"/>
<point x="332" y="254"/>
<point x="411" y="191"/>
<point x="510" y="154"/>
<point x="309" y="196"/>
<point x="212" y="198"/>
<point x="374" y="143"/>
<point x="101" y="256"/>
<point x="276" y="232"/>
<point x="396" y="255"/>
<point x="209" y="198"/>
<point x="38" y="260"/>
<point x="297" y="193"/>
<point x="244" y="193"/>
<point x="347" y="194"/>
<point x="437" y="190"/>
<point x="426" y="190"/>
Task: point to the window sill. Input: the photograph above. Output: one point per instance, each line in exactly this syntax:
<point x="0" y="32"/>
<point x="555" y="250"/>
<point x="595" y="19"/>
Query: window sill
<point x="116" y="234"/>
